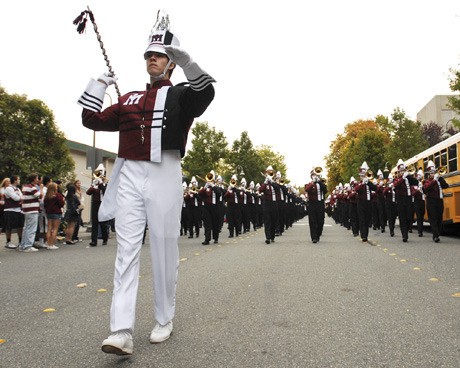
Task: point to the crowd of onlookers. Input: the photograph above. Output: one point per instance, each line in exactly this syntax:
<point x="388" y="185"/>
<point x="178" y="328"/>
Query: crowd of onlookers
<point x="40" y="211"/>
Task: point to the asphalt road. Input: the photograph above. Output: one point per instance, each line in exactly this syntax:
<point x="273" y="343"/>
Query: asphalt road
<point x="242" y="303"/>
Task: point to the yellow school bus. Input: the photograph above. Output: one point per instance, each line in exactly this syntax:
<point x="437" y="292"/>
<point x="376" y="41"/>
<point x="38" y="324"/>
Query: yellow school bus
<point x="447" y="155"/>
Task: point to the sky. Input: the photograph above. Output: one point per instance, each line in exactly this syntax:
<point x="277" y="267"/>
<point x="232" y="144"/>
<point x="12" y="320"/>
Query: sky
<point x="292" y="74"/>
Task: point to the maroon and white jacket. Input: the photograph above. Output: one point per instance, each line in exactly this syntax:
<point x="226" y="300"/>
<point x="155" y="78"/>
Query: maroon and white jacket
<point x="158" y="118"/>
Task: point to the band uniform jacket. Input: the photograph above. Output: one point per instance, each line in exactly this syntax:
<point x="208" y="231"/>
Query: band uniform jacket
<point x="133" y="115"/>
<point x="312" y="191"/>
<point x="432" y="189"/>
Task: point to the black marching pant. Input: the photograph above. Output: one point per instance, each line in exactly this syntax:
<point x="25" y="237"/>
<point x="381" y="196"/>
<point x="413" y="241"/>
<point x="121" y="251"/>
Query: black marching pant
<point x="316" y="213"/>
<point x="435" y="208"/>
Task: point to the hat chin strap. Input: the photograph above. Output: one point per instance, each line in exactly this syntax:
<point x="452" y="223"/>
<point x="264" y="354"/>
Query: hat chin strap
<point x="162" y="75"/>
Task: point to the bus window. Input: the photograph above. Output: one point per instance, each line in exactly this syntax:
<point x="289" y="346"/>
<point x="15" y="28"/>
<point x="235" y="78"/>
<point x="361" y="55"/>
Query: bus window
<point x="452" y="158"/>
<point x="444" y="157"/>
<point x="436" y="159"/>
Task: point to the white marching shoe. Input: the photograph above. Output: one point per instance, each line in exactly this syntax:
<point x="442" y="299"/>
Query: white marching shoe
<point x="161" y="333"/>
<point x="119" y="343"/>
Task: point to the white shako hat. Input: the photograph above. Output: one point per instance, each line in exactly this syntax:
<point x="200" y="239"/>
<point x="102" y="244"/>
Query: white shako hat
<point x="234" y="177"/>
<point x="400" y="165"/>
<point x="184" y="185"/>
<point x="101" y="168"/>
<point x="251" y="184"/>
<point x="243" y="181"/>
<point x="160" y="35"/>
<point x="278" y="174"/>
<point x="420" y="173"/>
<point x="269" y="168"/>
<point x="430" y="166"/>
<point x="390" y="176"/>
<point x="352" y="179"/>
<point x="219" y="179"/>
<point x="193" y="181"/>
<point x="379" y="174"/>
<point x="364" y="167"/>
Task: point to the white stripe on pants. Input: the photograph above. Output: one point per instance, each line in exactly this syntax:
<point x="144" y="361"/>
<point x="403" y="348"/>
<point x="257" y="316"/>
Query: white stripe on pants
<point x="153" y="192"/>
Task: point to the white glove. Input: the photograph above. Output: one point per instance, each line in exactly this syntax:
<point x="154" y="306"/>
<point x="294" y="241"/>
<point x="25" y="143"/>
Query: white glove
<point x="267" y="180"/>
<point x="390" y="185"/>
<point x="107" y="79"/>
<point x="436" y="177"/>
<point x="405" y="175"/>
<point x="365" y="180"/>
<point x="196" y="76"/>
<point x="178" y="56"/>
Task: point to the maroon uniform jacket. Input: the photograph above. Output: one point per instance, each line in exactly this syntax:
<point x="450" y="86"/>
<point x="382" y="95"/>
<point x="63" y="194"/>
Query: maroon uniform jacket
<point x="433" y="188"/>
<point x="132" y="116"/>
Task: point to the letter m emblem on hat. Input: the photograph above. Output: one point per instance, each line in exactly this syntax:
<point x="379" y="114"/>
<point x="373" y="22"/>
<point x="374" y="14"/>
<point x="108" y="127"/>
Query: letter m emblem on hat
<point x="133" y="99"/>
<point x="157" y="37"/>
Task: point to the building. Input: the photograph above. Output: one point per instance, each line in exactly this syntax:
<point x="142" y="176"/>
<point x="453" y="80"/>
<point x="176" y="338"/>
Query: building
<point x="86" y="160"/>
<point x="437" y="110"/>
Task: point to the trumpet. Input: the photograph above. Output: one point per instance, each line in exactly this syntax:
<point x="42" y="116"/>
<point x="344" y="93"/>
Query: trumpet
<point x="441" y="170"/>
<point x="370" y="175"/>
<point x="208" y="178"/>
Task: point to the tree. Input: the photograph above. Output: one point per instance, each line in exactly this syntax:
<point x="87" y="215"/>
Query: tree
<point x="454" y="101"/>
<point x="432" y="132"/>
<point x="363" y="140"/>
<point x="244" y="157"/>
<point x="408" y="139"/>
<point x="31" y="141"/>
<point x="268" y="157"/>
<point x="209" y="151"/>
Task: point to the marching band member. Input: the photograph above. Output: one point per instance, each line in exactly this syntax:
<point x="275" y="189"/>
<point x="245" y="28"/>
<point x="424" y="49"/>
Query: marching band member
<point x="244" y="207"/>
<point x="391" y="208"/>
<point x="219" y="187"/>
<point x="316" y="191"/>
<point x="269" y="205"/>
<point x="280" y="191"/>
<point x="419" y="202"/>
<point x="364" y="188"/>
<point x="433" y="187"/>
<point x="184" y="214"/>
<point x="210" y="194"/>
<point x="153" y="126"/>
<point x="193" y="203"/>
<point x="233" y="209"/>
<point x="353" y="208"/>
<point x="252" y="199"/>
<point x="381" y="201"/>
<point x="402" y="185"/>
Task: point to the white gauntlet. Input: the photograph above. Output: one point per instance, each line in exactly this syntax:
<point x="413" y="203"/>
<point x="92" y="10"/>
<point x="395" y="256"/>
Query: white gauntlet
<point x="196" y="76"/>
<point x="93" y="97"/>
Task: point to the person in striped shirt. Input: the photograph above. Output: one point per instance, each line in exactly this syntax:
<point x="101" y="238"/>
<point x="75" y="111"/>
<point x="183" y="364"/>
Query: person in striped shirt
<point x="30" y="207"/>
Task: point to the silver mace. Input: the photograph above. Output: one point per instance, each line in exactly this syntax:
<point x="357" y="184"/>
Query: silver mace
<point x="80" y="22"/>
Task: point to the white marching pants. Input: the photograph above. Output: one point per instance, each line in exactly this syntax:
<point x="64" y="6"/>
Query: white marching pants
<point x="152" y="192"/>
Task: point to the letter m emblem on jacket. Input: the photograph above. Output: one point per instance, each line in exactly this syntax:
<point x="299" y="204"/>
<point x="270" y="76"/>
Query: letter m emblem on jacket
<point x="133" y="99"/>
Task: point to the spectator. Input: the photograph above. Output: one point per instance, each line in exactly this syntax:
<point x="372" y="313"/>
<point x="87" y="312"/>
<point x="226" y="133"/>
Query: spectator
<point x="42" y="220"/>
<point x="54" y="202"/>
<point x="30" y="207"/>
<point x="5" y="182"/>
<point x="72" y="213"/>
<point x="81" y="198"/>
<point x="13" y="216"/>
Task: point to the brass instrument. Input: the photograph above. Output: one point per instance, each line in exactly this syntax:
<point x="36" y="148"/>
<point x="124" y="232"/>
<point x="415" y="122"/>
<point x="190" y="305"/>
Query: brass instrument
<point x="318" y="170"/>
<point x="233" y="182"/>
<point x="442" y="170"/>
<point x="370" y="175"/>
<point x="411" y="169"/>
<point x="269" y="174"/>
<point x="282" y="181"/>
<point x="208" y="178"/>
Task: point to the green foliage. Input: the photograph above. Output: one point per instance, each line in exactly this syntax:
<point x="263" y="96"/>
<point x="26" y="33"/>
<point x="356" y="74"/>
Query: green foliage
<point x="454" y="101"/>
<point x="269" y="157"/>
<point x="209" y="148"/>
<point x="31" y="141"/>
<point x="408" y="139"/>
<point x="244" y="157"/>
<point x="432" y="132"/>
